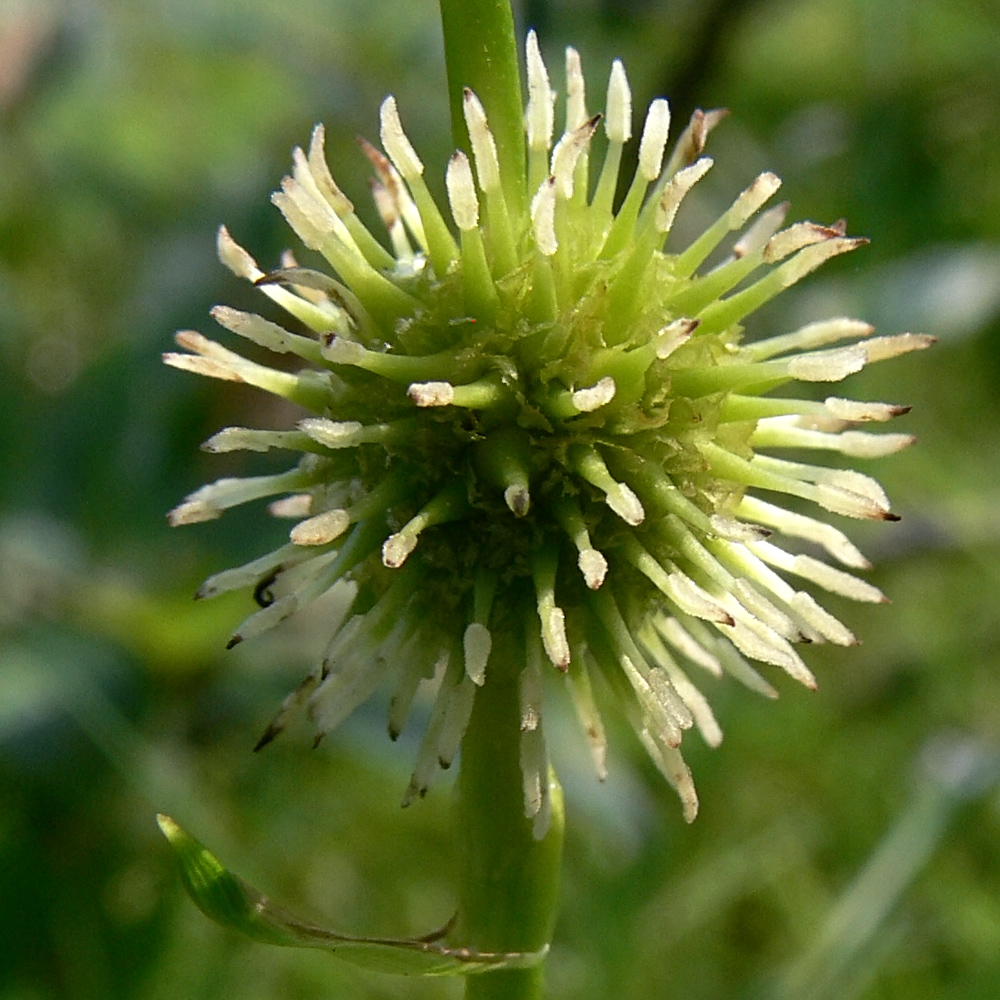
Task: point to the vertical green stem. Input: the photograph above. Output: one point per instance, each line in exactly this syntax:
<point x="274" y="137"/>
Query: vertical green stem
<point x="480" y="51"/>
<point x="509" y="881"/>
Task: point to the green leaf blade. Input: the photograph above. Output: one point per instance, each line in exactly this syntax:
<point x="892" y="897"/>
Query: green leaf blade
<point x="228" y="900"/>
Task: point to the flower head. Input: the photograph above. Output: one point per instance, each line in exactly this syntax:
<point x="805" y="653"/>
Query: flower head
<point x="543" y="430"/>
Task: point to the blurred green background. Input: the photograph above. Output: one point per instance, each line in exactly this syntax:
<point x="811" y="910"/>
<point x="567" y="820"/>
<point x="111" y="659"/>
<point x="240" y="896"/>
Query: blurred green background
<point x="129" y="129"/>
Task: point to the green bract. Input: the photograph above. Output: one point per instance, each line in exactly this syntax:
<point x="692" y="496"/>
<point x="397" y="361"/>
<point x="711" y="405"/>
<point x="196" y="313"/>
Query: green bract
<point x="543" y="429"/>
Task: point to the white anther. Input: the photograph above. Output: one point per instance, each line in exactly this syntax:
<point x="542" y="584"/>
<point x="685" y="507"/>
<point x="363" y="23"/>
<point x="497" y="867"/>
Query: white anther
<point x="798" y="235"/>
<point x="594" y="567"/>
<point x="543" y="217"/>
<point x="484" y="148"/>
<point x="395" y="143"/>
<point x="764" y="186"/>
<point x="625" y="504"/>
<point x="476" y="644"/>
<point x="339" y="201"/>
<point x="322" y="528"/>
<point x="566" y="154"/>
<point x="654" y="139"/>
<point x="828" y="366"/>
<point x="432" y="393"/>
<point x="539" y="117"/>
<point x="853" y="410"/>
<point x="618" y="108"/>
<point x="235" y="257"/>
<point x="576" y="100"/>
<point x="588" y="400"/>
<point x="675" y="192"/>
<point x="462" y="192"/>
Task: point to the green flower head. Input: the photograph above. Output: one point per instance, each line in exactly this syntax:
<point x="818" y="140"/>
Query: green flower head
<point x="541" y="428"/>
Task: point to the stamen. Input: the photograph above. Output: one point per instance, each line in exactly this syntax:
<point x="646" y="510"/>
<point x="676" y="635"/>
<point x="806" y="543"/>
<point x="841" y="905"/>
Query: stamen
<point x="618" y="109"/>
<point x="795" y="238"/>
<point x="237" y="260"/>
<point x="249" y="439"/>
<point x="266" y="334"/>
<point x="322" y="528"/>
<point x="462" y="192"/>
<point x="834" y="580"/>
<point x="883" y="348"/>
<point x="477" y="642"/>
<point x="567" y="153"/>
<point x="674" y="585"/>
<point x="755" y="238"/>
<point x="416" y="664"/>
<point x="396" y="144"/>
<point x="618" y="496"/>
<point x="800" y="526"/>
<point x="593" y="565"/>
<point x="676" y="190"/>
<point x="543" y="571"/>
<point x="427" y="756"/>
<point x="483" y="394"/>
<point x="374" y="252"/>
<point x="695" y="701"/>
<point x="742" y="209"/>
<point x="484" y="147"/>
<point x="588" y="400"/>
<point x="618" y="128"/>
<point x="779" y="432"/>
<point x="576" y="100"/>
<point x="854" y="410"/>
<point x="296" y="506"/>
<point x="543" y="217"/>
<point x="440" y="244"/>
<point x="480" y="294"/>
<point x="337" y="434"/>
<point x="488" y="170"/>
<point x="503" y="459"/>
<point x="539" y="116"/>
<point x="672" y="630"/>
<point x="587" y="712"/>
<point x="654" y="139"/>
<point x="810" y="336"/>
<point x="720" y="315"/>
<point x="308" y="388"/>
<point x="451" y="504"/>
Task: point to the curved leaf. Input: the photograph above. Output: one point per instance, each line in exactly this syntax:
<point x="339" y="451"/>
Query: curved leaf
<point x="228" y="900"/>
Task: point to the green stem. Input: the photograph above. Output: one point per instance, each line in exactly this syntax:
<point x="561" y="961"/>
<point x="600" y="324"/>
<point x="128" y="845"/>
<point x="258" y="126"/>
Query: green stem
<point x="480" y="51"/>
<point x="509" y="881"/>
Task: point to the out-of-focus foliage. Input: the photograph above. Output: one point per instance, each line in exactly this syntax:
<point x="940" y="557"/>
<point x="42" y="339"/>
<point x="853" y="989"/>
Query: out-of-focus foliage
<point x="128" y="131"/>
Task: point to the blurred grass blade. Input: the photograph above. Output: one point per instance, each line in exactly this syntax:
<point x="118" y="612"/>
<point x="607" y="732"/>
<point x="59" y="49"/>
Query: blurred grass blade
<point x="854" y="938"/>
<point x="225" y="898"/>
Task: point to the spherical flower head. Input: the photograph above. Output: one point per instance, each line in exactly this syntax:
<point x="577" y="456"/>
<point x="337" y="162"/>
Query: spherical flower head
<point x="541" y="435"/>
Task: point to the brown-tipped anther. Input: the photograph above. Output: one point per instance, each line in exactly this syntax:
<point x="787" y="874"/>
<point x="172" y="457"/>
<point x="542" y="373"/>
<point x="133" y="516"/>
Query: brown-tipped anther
<point x="234" y="641"/>
<point x="269" y="734"/>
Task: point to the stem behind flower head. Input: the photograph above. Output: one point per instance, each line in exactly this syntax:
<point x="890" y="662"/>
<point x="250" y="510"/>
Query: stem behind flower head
<point x="480" y="51"/>
<point x="509" y="880"/>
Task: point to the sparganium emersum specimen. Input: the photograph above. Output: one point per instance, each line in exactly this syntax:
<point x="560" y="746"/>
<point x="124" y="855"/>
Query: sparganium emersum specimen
<point x="543" y="428"/>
